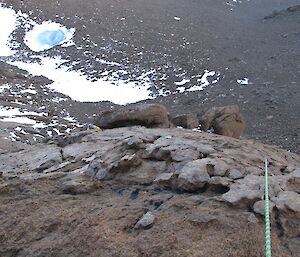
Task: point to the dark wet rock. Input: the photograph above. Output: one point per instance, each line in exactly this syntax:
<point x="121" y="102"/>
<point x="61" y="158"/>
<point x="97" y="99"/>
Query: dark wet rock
<point x="145" y="222"/>
<point x="157" y="201"/>
<point x="134" y="194"/>
<point x="187" y="121"/>
<point x="226" y="121"/>
<point x="148" y="115"/>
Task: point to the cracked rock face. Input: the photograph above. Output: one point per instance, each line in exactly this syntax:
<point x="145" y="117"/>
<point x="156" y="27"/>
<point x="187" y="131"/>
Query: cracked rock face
<point x="131" y="184"/>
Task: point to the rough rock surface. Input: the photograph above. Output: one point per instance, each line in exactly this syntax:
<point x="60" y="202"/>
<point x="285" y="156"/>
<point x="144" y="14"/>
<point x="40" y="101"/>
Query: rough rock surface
<point x="203" y="191"/>
<point x="148" y="115"/>
<point x="226" y="121"/>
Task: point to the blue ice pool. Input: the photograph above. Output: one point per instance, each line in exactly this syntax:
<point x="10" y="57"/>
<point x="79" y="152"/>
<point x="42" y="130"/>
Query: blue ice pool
<point x="51" y="37"/>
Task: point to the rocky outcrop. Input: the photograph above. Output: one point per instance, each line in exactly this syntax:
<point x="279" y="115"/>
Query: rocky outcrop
<point x="226" y="121"/>
<point x="125" y="186"/>
<point x="148" y="115"/>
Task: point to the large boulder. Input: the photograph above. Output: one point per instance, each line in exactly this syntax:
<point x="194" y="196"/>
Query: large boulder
<point x="148" y="115"/>
<point x="226" y="121"/>
<point x="186" y="121"/>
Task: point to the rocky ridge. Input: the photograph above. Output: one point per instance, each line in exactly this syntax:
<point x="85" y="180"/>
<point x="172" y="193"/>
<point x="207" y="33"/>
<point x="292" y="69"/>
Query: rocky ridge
<point x="147" y="192"/>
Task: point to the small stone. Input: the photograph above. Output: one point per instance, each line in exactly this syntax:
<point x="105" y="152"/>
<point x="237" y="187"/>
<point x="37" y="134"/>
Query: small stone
<point x="252" y="218"/>
<point x="146" y="221"/>
<point x="235" y="174"/>
<point x="193" y="176"/>
<point x="259" y="207"/>
<point x="164" y="177"/>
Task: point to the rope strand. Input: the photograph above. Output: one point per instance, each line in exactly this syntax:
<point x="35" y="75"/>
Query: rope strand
<point x="267" y="214"/>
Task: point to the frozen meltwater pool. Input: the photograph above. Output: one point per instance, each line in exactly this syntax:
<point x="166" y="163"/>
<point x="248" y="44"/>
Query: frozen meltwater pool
<point x="47" y="35"/>
<point x="38" y="37"/>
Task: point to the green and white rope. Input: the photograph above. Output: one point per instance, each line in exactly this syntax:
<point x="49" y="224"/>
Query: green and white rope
<point x="267" y="214"/>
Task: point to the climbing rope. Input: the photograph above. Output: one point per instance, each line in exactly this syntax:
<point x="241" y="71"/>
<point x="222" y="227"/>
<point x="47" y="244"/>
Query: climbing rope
<point x="267" y="214"/>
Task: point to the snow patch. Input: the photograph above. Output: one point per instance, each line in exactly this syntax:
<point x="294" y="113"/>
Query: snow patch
<point x="8" y="19"/>
<point x="77" y="86"/>
<point x="204" y="81"/>
<point x="29" y="91"/>
<point x="2" y="88"/>
<point x="182" y="82"/>
<point x="16" y="115"/>
<point x="244" y="81"/>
